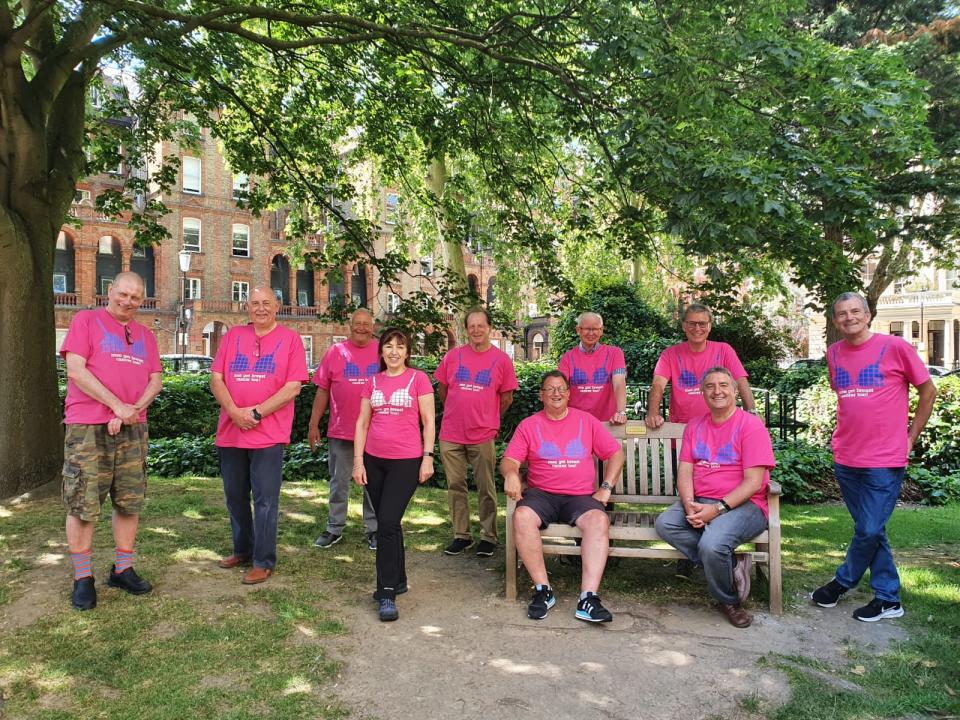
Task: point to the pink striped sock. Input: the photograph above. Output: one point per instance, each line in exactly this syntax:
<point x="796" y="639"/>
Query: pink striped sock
<point x="81" y="564"/>
<point x="124" y="560"/>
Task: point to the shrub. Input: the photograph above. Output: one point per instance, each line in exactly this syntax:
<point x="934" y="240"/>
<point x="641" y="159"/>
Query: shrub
<point x="817" y="407"/>
<point x="626" y="317"/>
<point x="763" y="372"/>
<point x="173" y="457"/>
<point x="939" y="443"/>
<point x="804" y="472"/>
<point x="750" y="332"/>
<point x="935" y="489"/>
<point x="184" y="407"/>
<point x="795" y="381"/>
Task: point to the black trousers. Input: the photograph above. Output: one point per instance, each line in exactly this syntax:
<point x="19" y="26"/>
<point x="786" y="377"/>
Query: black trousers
<point x="390" y="484"/>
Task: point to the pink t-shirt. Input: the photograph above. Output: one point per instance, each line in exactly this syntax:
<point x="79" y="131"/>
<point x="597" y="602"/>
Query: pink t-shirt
<point x="872" y="384"/>
<point x="559" y="453"/>
<point x="343" y="372"/>
<point x="591" y="378"/>
<point x="123" y="368"/>
<point x="474" y="380"/>
<point x="255" y="370"/>
<point x="394" y="431"/>
<point x="721" y="452"/>
<point x="685" y="370"/>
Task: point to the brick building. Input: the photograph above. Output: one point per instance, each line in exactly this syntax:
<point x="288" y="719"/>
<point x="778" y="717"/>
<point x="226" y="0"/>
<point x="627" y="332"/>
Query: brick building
<point x="230" y="251"/>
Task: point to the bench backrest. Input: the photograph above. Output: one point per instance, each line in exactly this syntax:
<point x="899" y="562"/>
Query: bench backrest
<point x="648" y="467"/>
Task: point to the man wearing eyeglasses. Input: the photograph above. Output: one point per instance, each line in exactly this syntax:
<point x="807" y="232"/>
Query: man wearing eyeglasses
<point x="871" y="373"/>
<point x="558" y="445"/>
<point x="340" y="380"/>
<point x="476" y="384"/>
<point x="113" y="374"/>
<point x="256" y="376"/>
<point x="597" y="373"/>
<point x="683" y="366"/>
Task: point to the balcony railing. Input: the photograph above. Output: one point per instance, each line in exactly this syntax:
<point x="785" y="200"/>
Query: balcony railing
<point x="68" y="299"/>
<point x="297" y="311"/>
<point x="929" y="297"/>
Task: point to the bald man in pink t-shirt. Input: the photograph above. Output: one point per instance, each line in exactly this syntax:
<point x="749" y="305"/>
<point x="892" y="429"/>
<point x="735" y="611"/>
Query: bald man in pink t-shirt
<point x="113" y="374"/>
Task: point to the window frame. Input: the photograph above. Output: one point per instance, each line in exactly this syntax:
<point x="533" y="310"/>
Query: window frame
<point x="184" y="175"/>
<point x="199" y="227"/>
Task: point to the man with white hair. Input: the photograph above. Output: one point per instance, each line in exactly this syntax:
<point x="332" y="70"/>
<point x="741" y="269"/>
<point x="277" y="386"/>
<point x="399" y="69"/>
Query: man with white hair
<point x="597" y="373"/>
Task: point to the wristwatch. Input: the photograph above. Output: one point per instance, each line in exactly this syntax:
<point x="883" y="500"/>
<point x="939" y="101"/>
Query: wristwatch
<point x="722" y="507"/>
<point x="606" y="486"/>
<point x="256" y="415"/>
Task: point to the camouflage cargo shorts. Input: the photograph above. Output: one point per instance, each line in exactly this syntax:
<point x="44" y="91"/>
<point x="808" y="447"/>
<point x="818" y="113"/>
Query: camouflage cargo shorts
<point x="96" y="464"/>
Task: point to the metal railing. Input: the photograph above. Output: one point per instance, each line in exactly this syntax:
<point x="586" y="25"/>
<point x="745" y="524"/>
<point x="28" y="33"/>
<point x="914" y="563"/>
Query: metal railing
<point x="778" y="410"/>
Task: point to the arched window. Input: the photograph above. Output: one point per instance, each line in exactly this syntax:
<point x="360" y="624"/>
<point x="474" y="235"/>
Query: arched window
<point x="280" y="278"/>
<point x="142" y="263"/>
<point x="305" y="286"/>
<point x="64" y="265"/>
<point x="109" y="262"/>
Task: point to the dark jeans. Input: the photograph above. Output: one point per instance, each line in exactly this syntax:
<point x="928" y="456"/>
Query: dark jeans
<point x="871" y="495"/>
<point x="391" y="484"/>
<point x="256" y="472"/>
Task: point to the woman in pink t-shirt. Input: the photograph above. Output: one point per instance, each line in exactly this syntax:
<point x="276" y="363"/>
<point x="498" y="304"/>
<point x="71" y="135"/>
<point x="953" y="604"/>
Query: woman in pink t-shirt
<point x="393" y="452"/>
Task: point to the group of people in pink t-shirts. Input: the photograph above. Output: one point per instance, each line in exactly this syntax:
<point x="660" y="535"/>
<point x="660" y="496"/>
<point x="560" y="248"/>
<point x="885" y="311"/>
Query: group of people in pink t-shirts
<point x="382" y="430"/>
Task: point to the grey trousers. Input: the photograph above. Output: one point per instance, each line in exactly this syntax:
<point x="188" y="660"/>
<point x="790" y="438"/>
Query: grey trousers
<point x="714" y="544"/>
<point x="341" y="478"/>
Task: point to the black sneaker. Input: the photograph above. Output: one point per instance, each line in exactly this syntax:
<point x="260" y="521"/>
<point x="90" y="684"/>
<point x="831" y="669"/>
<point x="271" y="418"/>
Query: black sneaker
<point x="371" y="541"/>
<point x="401" y="589"/>
<point x="878" y="609"/>
<point x="128" y="581"/>
<point x="828" y="595"/>
<point x="457" y="546"/>
<point x="327" y="539"/>
<point x="388" y="610"/>
<point x="486" y="548"/>
<point x="684" y="569"/>
<point x="542" y="600"/>
<point x="590" y="610"/>
<point x="84" y="596"/>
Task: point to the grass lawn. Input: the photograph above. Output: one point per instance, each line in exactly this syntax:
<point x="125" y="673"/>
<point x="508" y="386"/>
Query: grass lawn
<point x="203" y="646"/>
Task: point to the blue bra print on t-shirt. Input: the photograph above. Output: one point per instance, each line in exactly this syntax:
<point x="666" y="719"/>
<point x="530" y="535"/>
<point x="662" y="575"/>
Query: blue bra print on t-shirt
<point x="352" y="370"/>
<point x="264" y="363"/>
<point x="483" y="377"/>
<point x="868" y="377"/>
<point x="575" y="449"/>
<point x="113" y="343"/>
<point x="687" y="379"/>
<point x="726" y="454"/>
<point x="601" y="376"/>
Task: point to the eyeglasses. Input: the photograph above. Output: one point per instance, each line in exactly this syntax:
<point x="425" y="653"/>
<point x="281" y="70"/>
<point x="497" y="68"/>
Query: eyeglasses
<point x="554" y="390"/>
<point x="127" y="334"/>
<point x="697" y="323"/>
<point x="256" y="351"/>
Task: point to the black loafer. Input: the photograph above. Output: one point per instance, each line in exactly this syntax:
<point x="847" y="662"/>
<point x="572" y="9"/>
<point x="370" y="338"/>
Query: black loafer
<point x="128" y="581"/>
<point x="84" y="595"/>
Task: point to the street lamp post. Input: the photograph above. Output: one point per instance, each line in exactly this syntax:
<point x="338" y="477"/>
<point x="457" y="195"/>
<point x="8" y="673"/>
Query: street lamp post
<point x="185" y="256"/>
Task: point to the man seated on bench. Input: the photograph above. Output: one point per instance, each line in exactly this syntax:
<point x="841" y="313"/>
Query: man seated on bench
<point x="558" y="444"/>
<point x="725" y="462"/>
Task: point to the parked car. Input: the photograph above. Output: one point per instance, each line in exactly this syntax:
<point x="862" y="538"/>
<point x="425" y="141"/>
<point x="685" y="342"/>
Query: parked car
<point x="938" y="370"/>
<point x="804" y="363"/>
<point x="186" y="363"/>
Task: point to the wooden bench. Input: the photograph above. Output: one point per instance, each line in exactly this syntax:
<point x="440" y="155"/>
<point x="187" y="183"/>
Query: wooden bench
<point x="648" y="479"/>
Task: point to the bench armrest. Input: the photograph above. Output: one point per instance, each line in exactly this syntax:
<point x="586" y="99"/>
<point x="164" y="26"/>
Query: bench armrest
<point x="773" y="488"/>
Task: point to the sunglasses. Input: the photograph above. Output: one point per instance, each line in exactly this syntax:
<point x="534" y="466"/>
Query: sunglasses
<point x="128" y="335"/>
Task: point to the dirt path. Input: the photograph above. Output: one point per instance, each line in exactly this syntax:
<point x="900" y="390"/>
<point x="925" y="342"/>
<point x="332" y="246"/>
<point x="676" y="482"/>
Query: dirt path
<point x="461" y="650"/>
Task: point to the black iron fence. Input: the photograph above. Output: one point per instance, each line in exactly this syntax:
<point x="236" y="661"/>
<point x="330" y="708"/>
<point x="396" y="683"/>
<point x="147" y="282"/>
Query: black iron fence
<point x="778" y="410"/>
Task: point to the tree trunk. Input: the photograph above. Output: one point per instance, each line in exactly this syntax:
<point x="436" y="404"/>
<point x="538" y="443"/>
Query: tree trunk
<point x="31" y="433"/>
<point x="450" y="244"/>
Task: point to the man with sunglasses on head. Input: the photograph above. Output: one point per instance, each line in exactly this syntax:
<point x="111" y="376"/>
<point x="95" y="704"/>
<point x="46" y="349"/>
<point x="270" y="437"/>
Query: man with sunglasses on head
<point x="871" y="373"/>
<point x="597" y="373"/>
<point x="256" y="376"/>
<point x="476" y="384"/>
<point x="340" y="380"/>
<point x="683" y="366"/>
<point x="113" y="374"/>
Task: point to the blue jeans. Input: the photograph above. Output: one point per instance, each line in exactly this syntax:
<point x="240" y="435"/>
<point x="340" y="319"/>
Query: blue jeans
<point x="871" y="495"/>
<point x="258" y="473"/>
<point x="714" y="544"/>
